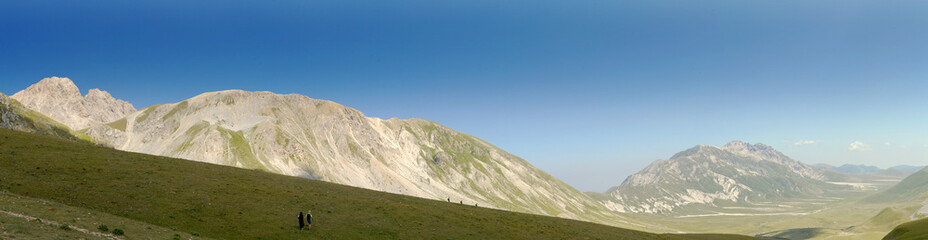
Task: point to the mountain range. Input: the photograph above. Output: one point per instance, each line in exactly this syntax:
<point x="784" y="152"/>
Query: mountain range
<point x="860" y="168"/>
<point x="63" y="189"/>
<point x="299" y="136"/>
<point x="317" y="139"/>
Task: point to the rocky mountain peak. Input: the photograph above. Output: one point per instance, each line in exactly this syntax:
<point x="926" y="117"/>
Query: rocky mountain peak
<point x="760" y="151"/>
<point x="738" y="145"/>
<point x="694" y="150"/>
<point x="60" y="99"/>
<point x="97" y="93"/>
<point x="51" y="87"/>
<point x="61" y="81"/>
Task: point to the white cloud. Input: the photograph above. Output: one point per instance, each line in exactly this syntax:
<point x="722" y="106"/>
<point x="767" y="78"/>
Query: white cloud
<point x="887" y="144"/>
<point x="859" y="146"/>
<point x="804" y="142"/>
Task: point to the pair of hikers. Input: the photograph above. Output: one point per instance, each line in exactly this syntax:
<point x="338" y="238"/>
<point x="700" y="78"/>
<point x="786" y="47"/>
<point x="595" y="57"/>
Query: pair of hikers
<point x="309" y="220"/>
<point x="462" y="202"/>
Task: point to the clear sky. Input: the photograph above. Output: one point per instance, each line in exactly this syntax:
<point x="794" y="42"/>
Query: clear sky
<point x="589" y="91"/>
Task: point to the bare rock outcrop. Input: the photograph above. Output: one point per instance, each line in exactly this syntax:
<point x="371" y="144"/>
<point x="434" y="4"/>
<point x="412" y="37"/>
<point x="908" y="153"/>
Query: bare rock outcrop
<point x="15" y="116"/>
<point x="61" y="100"/>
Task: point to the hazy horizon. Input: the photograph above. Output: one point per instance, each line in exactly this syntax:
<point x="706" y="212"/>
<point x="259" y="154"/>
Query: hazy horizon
<point x="588" y="92"/>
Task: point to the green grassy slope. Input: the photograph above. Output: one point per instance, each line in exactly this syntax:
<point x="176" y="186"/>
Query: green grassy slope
<point x="907" y="189"/>
<point x="917" y="229"/>
<point x="891" y="216"/>
<point x="231" y="203"/>
<point x="31" y="218"/>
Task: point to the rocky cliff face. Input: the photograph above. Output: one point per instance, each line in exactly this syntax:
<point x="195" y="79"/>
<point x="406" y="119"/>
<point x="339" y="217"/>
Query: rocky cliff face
<point x="299" y="136"/>
<point x="736" y="172"/>
<point x="14" y="115"/>
<point x="59" y="99"/>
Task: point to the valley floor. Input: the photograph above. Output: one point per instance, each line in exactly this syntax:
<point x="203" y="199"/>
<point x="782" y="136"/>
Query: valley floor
<point x="834" y="215"/>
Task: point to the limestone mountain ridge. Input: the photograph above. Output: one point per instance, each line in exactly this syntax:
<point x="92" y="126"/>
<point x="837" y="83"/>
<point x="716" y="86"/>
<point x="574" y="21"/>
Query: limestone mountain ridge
<point x="706" y="175"/>
<point x="61" y="100"/>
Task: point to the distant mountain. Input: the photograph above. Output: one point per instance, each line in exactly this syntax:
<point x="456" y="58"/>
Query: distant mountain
<point x="849" y="172"/>
<point x="850" y="168"/>
<point x="861" y="168"/>
<point x="59" y="99"/>
<point x="14" y="115"/>
<point x="736" y="172"/>
<point x="895" y="172"/>
<point x="823" y="165"/>
<point x="299" y="136"/>
<point x="909" y="168"/>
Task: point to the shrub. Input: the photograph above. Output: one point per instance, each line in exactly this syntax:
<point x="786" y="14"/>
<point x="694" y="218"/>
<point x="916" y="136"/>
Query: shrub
<point x="103" y="228"/>
<point x="176" y="236"/>
<point x="118" y="232"/>
<point x="65" y="227"/>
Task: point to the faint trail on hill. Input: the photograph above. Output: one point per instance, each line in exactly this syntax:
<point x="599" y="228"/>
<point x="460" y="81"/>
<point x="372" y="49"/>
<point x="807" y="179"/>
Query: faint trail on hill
<point x="53" y="223"/>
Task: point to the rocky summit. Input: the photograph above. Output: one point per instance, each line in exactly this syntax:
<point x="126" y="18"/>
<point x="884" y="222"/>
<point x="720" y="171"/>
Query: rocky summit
<point x="706" y="175"/>
<point x="299" y="136"/>
<point x="61" y="100"/>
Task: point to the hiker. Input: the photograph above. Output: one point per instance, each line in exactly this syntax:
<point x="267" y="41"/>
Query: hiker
<point x="475" y="204"/>
<point x="309" y="219"/>
<point x="449" y="199"/>
<point x="301" y="221"/>
<point x="462" y="201"/>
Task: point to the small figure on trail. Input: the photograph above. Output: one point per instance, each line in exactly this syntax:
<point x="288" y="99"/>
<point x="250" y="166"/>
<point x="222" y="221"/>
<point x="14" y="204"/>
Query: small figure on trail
<point x="475" y="204"/>
<point x="449" y="199"/>
<point x="309" y="219"/>
<point x="301" y="221"/>
<point x="462" y="201"/>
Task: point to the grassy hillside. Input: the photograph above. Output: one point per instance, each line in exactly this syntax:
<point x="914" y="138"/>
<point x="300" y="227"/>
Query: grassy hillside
<point x="31" y="218"/>
<point x="917" y="229"/>
<point x="909" y="188"/>
<point x="230" y="203"/>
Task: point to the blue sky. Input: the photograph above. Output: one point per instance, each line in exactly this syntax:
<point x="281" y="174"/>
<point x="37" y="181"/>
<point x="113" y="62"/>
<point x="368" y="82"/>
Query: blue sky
<point x="589" y="91"/>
